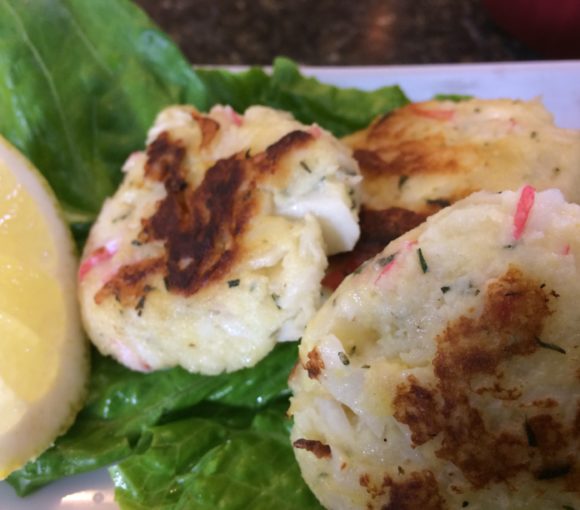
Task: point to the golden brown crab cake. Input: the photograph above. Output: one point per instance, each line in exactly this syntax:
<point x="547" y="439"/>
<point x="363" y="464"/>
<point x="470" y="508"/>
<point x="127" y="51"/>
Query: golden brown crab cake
<point x="446" y="373"/>
<point x="425" y="156"/>
<point x="213" y="248"/>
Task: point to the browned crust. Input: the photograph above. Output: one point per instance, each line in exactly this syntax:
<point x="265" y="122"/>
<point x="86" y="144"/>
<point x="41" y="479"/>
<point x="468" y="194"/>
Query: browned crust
<point x="208" y="126"/>
<point x="378" y="228"/>
<point x="390" y="147"/>
<point x="418" y="490"/>
<point x="468" y="348"/>
<point x="201" y="228"/>
<point x="315" y="365"/>
<point x="164" y="157"/>
<point x="412" y="404"/>
<point x="129" y="286"/>
<point x="319" y="449"/>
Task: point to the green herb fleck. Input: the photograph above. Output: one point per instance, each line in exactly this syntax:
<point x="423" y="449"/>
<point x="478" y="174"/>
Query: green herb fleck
<point x="548" y="345"/>
<point x="534" y="134"/>
<point x="366" y="366"/>
<point x="400" y="470"/>
<point x="343" y="358"/>
<point x="305" y="166"/>
<point x="568" y="507"/>
<point x="402" y="180"/>
<point x="275" y="298"/>
<point x="233" y="283"/>
<point x="445" y="289"/>
<point x="384" y="261"/>
<point x="422" y="261"/>
<point x="136" y="242"/>
<point x="121" y="217"/>
<point x="556" y="170"/>
<point x="465" y="504"/>
<point x="140" y="305"/>
<point x="508" y="246"/>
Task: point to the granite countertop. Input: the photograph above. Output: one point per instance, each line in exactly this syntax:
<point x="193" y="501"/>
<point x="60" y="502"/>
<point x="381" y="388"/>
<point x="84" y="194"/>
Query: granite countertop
<point x="335" y="32"/>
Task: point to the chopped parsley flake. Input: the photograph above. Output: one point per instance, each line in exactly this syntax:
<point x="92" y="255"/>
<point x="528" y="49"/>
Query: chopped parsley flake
<point x="548" y="345"/>
<point x="402" y="180"/>
<point x="445" y="289"/>
<point x="305" y="166"/>
<point x="233" y="283"/>
<point x="383" y="261"/>
<point x="422" y="261"/>
<point x="275" y="298"/>
<point x="343" y="358"/>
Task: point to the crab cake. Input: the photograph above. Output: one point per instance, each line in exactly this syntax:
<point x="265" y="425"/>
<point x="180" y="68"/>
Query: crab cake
<point x="446" y="373"/>
<point x="213" y="248"/>
<point x="426" y="156"/>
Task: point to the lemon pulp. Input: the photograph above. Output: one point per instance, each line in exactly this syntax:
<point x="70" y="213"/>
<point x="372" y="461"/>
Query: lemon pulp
<point x="43" y="362"/>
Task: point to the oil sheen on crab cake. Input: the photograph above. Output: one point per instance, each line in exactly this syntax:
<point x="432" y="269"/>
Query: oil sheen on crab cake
<point x="213" y="248"/>
<point x="445" y="373"/>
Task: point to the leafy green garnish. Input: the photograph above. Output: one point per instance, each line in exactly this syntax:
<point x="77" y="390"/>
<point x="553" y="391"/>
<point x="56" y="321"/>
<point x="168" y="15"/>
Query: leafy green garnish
<point x="80" y="83"/>
<point x="124" y="405"/>
<point x="456" y="98"/>
<point x="218" y="467"/>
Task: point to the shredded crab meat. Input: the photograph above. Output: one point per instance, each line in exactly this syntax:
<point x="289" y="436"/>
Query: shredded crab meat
<point x="388" y="267"/>
<point x="230" y="114"/>
<point x="315" y="130"/>
<point x="432" y="113"/>
<point x="523" y="209"/>
<point x="98" y="257"/>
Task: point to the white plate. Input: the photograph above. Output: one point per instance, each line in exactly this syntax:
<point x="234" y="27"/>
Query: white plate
<point x="555" y="82"/>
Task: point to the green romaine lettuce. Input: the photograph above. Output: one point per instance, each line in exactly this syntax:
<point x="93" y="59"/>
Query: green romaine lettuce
<point x="80" y="83"/>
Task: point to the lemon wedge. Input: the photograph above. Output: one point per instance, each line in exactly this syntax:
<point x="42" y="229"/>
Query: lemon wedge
<point x="43" y="352"/>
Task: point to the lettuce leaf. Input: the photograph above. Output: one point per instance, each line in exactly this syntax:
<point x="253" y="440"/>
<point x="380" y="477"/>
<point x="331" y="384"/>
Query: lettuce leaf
<point x="123" y="406"/>
<point x="341" y="111"/>
<point x="80" y="83"/>
<point x="219" y="467"/>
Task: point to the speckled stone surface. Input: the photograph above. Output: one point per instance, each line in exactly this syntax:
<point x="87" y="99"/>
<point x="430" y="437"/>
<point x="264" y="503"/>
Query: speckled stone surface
<point x="335" y="32"/>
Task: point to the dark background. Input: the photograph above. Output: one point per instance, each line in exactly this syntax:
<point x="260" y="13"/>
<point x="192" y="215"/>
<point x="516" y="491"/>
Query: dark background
<point x="335" y="32"/>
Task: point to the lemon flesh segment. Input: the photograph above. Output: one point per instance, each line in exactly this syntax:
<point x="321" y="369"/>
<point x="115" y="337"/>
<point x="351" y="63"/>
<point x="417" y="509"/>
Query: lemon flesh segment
<point x="44" y="356"/>
<point x="20" y="221"/>
<point x="21" y="347"/>
<point x="32" y="327"/>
